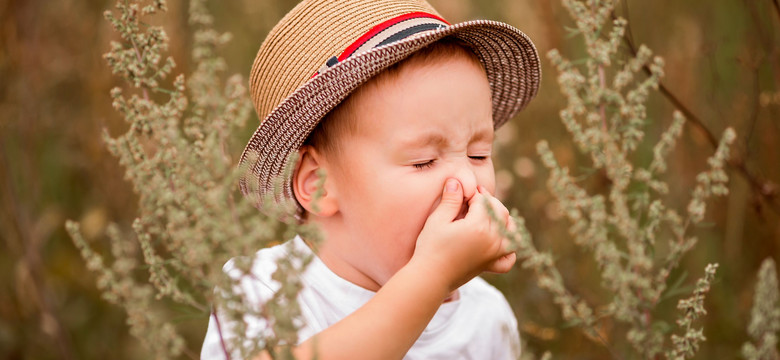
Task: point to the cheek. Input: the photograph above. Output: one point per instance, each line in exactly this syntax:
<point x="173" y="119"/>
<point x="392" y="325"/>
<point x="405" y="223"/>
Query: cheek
<point x="415" y="198"/>
<point x="408" y="206"/>
<point x="398" y="202"/>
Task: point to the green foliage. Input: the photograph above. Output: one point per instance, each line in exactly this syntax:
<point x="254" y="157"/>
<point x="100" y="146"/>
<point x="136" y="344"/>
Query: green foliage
<point x="633" y="235"/>
<point x="177" y="156"/>
<point x="692" y="308"/>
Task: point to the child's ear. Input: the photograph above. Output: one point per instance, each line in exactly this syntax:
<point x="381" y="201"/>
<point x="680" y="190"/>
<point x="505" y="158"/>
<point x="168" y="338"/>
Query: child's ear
<point x="306" y="180"/>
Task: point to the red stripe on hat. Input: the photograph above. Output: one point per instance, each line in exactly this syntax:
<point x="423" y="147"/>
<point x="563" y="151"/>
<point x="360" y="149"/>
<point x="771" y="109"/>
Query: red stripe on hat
<point x="384" y="25"/>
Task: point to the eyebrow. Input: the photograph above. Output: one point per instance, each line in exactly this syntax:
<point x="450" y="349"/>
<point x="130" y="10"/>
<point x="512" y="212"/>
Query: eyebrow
<point x="437" y="139"/>
<point x="430" y="139"/>
<point x="486" y="134"/>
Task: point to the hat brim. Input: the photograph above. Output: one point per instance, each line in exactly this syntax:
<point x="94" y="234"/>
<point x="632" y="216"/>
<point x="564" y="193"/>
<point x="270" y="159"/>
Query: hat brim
<point x="508" y="55"/>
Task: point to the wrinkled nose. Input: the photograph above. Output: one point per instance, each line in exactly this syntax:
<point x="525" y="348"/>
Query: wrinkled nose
<point x="468" y="179"/>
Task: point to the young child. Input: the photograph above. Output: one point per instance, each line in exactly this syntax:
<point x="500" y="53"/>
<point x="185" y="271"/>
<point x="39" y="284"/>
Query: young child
<point x="398" y="108"/>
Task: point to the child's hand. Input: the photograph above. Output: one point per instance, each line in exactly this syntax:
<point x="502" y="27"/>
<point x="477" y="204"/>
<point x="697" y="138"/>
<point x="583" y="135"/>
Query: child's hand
<point x="455" y="251"/>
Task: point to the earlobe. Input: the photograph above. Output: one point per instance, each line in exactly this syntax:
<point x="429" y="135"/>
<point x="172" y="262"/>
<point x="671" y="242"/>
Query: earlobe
<point x="307" y="180"/>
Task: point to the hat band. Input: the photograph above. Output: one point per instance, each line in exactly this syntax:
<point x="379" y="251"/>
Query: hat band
<point x="387" y="32"/>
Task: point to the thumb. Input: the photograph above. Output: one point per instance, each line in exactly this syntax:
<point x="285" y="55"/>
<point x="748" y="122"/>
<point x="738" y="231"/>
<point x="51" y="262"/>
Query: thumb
<point x="451" y="201"/>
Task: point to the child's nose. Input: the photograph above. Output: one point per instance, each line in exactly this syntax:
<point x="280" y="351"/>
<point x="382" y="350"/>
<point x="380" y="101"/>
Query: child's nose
<point x="468" y="179"/>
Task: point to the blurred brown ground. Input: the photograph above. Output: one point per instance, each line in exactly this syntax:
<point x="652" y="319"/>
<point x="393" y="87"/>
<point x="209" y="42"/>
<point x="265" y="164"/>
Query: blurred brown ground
<point x="720" y="55"/>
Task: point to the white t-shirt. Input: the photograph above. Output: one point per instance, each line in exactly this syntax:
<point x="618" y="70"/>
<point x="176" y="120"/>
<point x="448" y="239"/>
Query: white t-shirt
<point x="478" y="325"/>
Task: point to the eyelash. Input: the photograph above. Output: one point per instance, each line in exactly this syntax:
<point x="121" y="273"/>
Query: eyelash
<point x="424" y="165"/>
<point x="429" y="163"/>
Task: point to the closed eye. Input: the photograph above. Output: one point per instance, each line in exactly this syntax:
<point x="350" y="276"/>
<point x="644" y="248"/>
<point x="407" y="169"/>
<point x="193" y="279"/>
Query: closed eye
<point x="480" y="158"/>
<point x="423" y="165"/>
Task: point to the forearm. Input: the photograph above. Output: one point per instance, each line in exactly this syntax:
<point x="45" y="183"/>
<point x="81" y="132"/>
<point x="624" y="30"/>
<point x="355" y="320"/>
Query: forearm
<point x="385" y="327"/>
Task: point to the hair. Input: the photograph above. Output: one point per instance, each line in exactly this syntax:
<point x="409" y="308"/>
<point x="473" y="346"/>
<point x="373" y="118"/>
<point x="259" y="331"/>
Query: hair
<point x="341" y="121"/>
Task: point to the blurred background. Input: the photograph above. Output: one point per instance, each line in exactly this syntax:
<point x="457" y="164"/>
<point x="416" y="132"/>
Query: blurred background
<point x="722" y="63"/>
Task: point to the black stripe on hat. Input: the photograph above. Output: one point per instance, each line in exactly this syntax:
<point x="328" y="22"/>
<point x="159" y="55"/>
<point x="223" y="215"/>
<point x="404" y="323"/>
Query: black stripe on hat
<point x="405" y="33"/>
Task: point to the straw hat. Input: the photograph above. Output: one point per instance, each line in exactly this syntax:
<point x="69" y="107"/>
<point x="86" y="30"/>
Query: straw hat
<point x="322" y="50"/>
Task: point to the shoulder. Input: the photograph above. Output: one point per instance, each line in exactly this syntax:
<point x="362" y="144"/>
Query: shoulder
<point x="249" y="286"/>
<point x="253" y="275"/>
<point x="258" y="262"/>
<point x="265" y="260"/>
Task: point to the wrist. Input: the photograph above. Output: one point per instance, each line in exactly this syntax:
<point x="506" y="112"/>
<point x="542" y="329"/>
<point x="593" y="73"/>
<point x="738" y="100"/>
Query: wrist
<point x="433" y="275"/>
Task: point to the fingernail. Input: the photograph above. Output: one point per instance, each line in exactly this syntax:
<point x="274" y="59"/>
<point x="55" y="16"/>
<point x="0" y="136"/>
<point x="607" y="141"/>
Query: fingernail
<point x="451" y="185"/>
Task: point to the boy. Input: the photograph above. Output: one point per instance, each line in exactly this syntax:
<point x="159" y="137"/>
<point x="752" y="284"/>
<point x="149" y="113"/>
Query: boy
<point x="401" y="123"/>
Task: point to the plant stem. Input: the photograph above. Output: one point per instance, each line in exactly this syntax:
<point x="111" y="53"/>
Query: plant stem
<point x="767" y="189"/>
<point x="219" y="330"/>
<point x="777" y="8"/>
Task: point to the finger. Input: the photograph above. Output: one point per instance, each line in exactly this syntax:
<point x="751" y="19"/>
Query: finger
<point x="498" y="215"/>
<point x="477" y="208"/>
<point x="498" y="208"/>
<point x="451" y="202"/>
<point x="503" y="264"/>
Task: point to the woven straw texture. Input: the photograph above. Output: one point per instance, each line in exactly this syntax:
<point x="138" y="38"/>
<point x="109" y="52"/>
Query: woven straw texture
<point x="292" y="103"/>
<point x="307" y="36"/>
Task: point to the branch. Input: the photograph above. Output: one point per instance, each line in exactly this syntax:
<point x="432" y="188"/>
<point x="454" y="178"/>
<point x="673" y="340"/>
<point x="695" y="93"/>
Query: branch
<point x="777" y="7"/>
<point x="219" y="331"/>
<point x="766" y="189"/>
<point x="25" y="245"/>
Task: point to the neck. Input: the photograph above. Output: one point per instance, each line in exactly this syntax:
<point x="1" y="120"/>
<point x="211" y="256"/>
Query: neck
<point x="336" y="249"/>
